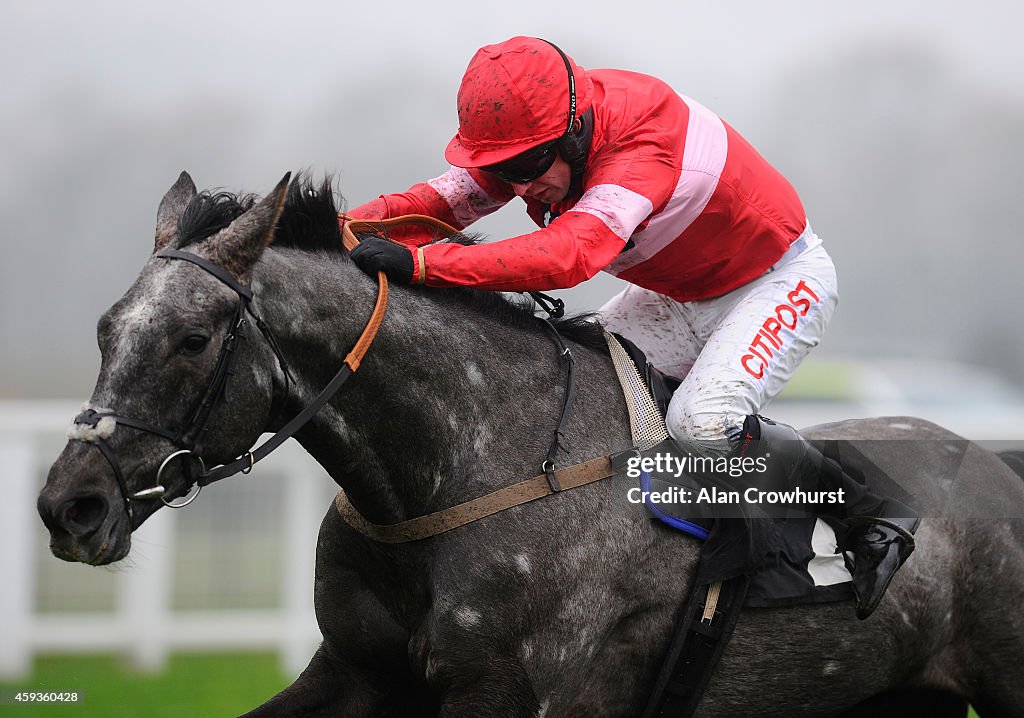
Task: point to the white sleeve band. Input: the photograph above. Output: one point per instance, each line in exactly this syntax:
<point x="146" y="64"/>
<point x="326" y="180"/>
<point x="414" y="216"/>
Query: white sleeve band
<point x="468" y="200"/>
<point x="620" y="209"/>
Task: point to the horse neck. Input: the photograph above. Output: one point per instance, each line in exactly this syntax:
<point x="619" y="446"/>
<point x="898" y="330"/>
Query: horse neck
<point x="435" y="413"/>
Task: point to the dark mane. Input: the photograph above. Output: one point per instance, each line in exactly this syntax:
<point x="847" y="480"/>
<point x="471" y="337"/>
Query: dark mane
<point x="517" y="310"/>
<point x="309" y="222"/>
<point x="210" y="212"/>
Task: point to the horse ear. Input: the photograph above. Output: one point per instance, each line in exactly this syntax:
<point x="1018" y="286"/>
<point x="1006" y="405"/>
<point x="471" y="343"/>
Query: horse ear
<point x="171" y="208"/>
<point x="238" y="246"/>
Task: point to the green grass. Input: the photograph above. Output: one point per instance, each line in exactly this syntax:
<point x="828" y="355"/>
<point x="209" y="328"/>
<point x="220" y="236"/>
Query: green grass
<point x="194" y="685"/>
<point x="197" y="685"/>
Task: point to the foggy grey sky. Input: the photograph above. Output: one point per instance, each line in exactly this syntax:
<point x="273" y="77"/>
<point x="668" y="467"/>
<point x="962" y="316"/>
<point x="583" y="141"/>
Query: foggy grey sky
<point x="156" y="50"/>
<point x="103" y="103"/>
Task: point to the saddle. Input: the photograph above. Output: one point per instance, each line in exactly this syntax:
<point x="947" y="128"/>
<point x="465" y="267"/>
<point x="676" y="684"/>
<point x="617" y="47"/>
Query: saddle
<point x="789" y="561"/>
<point x="748" y="561"/>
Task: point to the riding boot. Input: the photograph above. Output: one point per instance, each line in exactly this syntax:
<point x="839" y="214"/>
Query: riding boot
<point x="880" y="530"/>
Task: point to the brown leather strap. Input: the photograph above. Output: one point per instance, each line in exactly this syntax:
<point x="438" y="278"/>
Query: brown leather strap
<point x="453" y="517"/>
<point x="362" y="345"/>
<point x="350" y="226"/>
<point x="348" y="229"/>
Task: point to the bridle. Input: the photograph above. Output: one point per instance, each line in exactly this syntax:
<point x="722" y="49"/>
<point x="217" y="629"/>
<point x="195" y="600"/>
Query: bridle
<point x="188" y="441"/>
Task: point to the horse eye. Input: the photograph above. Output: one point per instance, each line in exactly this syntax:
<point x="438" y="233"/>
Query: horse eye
<point x="194" y="343"/>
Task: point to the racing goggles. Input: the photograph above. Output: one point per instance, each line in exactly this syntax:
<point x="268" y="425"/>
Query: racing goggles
<point x="526" y="166"/>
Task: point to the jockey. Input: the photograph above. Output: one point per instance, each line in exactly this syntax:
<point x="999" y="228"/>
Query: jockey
<point x="729" y="287"/>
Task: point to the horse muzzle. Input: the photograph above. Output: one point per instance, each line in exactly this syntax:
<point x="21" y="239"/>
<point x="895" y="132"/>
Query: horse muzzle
<point x="85" y="518"/>
<point x="84" y="529"/>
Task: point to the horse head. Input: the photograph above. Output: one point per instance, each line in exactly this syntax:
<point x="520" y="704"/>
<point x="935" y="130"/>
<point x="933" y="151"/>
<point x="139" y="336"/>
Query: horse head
<point x="176" y="385"/>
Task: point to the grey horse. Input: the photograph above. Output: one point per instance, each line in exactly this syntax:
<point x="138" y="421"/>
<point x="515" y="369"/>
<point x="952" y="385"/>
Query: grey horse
<point x="559" y="607"/>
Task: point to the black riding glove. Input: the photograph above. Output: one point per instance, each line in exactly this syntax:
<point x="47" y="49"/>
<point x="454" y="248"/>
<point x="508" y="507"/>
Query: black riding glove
<point x="374" y="254"/>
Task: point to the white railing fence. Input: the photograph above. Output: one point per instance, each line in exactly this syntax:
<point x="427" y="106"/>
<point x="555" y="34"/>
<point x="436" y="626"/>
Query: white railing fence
<point x="233" y="571"/>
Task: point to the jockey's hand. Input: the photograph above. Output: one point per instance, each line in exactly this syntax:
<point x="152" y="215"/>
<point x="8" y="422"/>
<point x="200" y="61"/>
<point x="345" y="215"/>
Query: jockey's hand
<point x="374" y="254"/>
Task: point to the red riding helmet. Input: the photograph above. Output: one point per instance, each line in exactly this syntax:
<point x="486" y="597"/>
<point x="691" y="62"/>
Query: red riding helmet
<point x="515" y="95"/>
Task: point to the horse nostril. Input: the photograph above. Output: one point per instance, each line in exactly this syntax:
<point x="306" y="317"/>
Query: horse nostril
<point x="83" y="515"/>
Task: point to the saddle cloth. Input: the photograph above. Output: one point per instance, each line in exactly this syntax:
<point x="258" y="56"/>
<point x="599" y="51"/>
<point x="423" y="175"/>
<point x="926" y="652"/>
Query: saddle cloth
<point x="788" y="561"/>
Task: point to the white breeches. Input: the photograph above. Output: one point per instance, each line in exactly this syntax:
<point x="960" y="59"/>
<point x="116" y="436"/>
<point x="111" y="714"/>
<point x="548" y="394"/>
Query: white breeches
<point x="734" y="352"/>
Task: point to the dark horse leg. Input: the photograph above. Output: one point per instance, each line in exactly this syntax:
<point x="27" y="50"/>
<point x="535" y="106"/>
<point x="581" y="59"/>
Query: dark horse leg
<point x="330" y="688"/>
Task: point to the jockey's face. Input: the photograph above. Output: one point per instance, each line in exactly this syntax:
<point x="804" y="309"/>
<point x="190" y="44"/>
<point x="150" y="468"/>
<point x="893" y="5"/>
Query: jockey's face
<point x="550" y="187"/>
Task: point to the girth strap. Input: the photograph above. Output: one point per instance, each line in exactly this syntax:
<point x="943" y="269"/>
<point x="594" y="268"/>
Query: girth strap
<point x="700" y="639"/>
